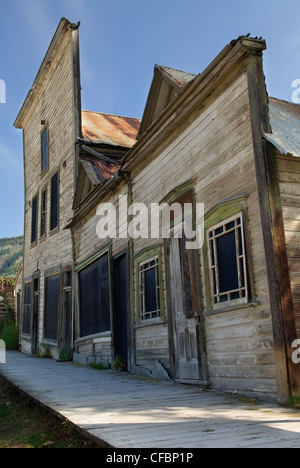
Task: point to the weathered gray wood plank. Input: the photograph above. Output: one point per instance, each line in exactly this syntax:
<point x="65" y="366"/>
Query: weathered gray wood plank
<point x="124" y="411"/>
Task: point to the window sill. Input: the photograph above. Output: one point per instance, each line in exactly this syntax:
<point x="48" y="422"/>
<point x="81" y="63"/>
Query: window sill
<point x="54" y="231"/>
<point x="230" y="308"/>
<point x="150" y="323"/>
<point x="96" y="338"/>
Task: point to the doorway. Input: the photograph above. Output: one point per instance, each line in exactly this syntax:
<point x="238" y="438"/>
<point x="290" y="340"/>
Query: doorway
<point x="120" y="308"/>
<point x="187" y="325"/>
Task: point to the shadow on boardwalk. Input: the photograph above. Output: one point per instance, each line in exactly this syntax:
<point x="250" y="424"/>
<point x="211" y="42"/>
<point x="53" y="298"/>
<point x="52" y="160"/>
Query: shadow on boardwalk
<point x="124" y="411"/>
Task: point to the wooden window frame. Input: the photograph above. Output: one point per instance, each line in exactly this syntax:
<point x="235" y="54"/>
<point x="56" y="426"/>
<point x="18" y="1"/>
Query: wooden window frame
<point x="106" y="251"/>
<point x="28" y="307"/>
<point x="219" y="213"/>
<point x="147" y="265"/>
<point x="34" y="222"/>
<point x="51" y="227"/>
<point x="47" y="277"/>
<point x="143" y="258"/>
<point x="232" y="224"/>
<point x="43" y="227"/>
<point x="43" y="132"/>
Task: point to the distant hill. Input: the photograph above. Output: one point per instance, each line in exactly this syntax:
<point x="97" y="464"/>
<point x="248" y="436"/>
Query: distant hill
<point x="11" y="255"/>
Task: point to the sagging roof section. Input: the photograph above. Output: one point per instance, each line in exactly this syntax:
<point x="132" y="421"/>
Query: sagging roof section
<point x="107" y="129"/>
<point x="285" y="124"/>
<point x="98" y="167"/>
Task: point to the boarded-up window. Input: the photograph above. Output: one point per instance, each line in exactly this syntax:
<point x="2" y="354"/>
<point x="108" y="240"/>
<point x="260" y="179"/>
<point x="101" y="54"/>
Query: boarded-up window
<point x="54" y="202"/>
<point x="27" y="309"/>
<point x="94" y="298"/>
<point x="44" y="149"/>
<point x="51" y="306"/>
<point x="34" y="214"/>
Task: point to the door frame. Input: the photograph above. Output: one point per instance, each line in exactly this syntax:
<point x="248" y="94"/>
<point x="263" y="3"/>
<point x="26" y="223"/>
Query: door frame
<point x="116" y="316"/>
<point x="199" y="318"/>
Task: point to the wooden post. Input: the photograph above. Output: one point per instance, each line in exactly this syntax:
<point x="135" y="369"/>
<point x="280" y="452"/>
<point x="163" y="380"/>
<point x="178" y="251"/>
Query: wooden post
<point x="284" y="328"/>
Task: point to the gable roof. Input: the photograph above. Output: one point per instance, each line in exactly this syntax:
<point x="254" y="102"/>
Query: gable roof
<point x="107" y="129"/>
<point x="285" y="124"/>
<point x="166" y="85"/>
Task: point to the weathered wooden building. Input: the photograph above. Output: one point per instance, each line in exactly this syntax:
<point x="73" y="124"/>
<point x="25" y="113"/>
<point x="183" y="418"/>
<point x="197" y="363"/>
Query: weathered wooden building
<point x="224" y="314"/>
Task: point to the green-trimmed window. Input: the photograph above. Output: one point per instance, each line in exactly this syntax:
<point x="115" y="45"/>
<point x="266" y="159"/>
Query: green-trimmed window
<point x="227" y="261"/>
<point x="149" y="291"/>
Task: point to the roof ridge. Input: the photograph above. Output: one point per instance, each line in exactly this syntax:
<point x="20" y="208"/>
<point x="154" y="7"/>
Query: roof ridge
<point x="176" y="69"/>
<point x="112" y="115"/>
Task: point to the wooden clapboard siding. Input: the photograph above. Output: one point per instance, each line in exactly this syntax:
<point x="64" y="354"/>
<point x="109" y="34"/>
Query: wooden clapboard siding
<point x="214" y="148"/>
<point x="51" y="104"/>
<point x="289" y="183"/>
<point x="86" y="241"/>
<point x="87" y="248"/>
<point x="151" y="345"/>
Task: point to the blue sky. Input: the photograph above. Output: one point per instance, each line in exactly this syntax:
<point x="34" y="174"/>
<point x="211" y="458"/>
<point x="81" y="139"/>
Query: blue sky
<point x="120" y="41"/>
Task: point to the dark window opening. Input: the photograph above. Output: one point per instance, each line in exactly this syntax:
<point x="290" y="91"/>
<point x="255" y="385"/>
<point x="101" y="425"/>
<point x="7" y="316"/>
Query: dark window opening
<point x="149" y="290"/>
<point x="44" y="149"/>
<point x="43" y="212"/>
<point x="228" y="261"/>
<point x="27" y="309"/>
<point x="54" y="202"/>
<point x="34" y="213"/>
<point x="51" y="306"/>
<point x="94" y="298"/>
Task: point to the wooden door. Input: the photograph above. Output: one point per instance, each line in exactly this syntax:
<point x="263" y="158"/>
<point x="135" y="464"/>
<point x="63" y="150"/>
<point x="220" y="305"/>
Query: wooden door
<point x="66" y="319"/>
<point x="35" y="317"/>
<point x="186" y="325"/>
<point x="120" y="308"/>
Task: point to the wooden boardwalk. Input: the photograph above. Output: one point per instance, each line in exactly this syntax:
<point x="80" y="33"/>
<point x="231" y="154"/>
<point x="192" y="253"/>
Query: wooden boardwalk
<point x="124" y="411"/>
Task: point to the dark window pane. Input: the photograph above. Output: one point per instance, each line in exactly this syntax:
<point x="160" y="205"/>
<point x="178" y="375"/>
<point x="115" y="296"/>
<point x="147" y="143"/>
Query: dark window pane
<point x="51" y="307"/>
<point x="27" y="309"/>
<point x="44" y="144"/>
<point x="94" y="298"/>
<point x="150" y="291"/>
<point x="67" y="312"/>
<point x="43" y="213"/>
<point x="54" y="202"/>
<point x="228" y="272"/>
<point x="34" y="220"/>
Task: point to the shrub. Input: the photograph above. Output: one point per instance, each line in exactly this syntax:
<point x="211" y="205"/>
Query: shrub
<point x="119" y="364"/>
<point x="10" y="335"/>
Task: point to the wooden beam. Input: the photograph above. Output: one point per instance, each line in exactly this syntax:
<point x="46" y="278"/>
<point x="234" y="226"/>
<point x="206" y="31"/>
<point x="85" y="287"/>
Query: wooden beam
<point x="272" y="226"/>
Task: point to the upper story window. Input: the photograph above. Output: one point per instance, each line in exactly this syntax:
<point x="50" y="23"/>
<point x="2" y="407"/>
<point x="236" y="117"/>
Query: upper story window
<point x="54" y="208"/>
<point x="227" y="261"/>
<point x="43" y="212"/>
<point x="44" y="149"/>
<point x="34" y="218"/>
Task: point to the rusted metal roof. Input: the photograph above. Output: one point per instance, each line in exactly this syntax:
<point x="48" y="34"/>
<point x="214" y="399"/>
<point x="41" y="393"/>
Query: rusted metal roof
<point x="285" y="124"/>
<point x="109" y="129"/>
<point x="98" y="171"/>
<point x="99" y="168"/>
<point x="178" y="77"/>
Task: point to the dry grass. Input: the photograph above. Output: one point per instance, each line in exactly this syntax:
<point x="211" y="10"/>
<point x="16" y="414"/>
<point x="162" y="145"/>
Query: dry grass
<point x="24" y="424"/>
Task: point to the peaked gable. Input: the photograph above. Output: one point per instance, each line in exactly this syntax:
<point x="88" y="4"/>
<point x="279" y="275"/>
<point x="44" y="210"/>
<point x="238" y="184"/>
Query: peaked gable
<point x="167" y="83"/>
